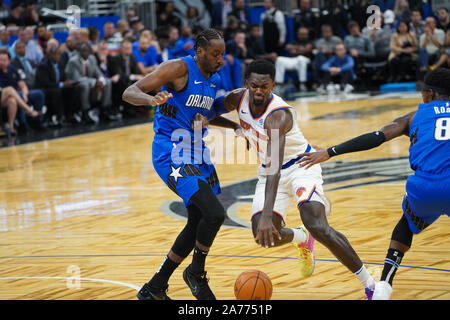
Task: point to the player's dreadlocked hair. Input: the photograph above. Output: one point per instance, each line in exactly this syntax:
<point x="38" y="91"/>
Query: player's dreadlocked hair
<point x="438" y="80"/>
<point x="261" y="66"/>
<point x="203" y="38"/>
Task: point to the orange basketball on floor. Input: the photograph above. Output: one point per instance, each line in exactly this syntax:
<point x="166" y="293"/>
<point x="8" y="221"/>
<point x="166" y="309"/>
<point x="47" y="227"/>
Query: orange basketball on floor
<point x="253" y="285"/>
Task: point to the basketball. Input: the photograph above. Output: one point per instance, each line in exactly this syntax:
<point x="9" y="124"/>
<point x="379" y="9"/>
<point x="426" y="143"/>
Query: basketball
<point x="253" y="285"/>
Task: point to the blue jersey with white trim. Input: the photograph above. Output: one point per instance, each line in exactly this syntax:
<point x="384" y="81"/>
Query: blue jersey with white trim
<point x="430" y="138"/>
<point x="197" y="97"/>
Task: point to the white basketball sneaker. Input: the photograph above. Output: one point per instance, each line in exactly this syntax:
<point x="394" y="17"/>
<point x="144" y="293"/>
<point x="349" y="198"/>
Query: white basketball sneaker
<point x="383" y="291"/>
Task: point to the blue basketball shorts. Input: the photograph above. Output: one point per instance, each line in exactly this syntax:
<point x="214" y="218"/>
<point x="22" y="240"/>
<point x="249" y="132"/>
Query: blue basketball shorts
<point x="182" y="178"/>
<point x="427" y="198"/>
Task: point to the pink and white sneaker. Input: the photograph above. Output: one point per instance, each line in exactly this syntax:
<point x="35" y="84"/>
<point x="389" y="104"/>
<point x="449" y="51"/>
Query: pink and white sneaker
<point x="306" y="256"/>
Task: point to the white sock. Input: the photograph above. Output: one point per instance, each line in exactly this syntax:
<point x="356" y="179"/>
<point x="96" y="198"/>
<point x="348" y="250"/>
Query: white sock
<point x="299" y="235"/>
<point x="364" y="277"/>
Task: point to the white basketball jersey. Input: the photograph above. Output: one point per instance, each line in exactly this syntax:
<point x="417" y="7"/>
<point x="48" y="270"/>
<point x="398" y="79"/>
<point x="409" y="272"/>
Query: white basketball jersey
<point x="257" y="135"/>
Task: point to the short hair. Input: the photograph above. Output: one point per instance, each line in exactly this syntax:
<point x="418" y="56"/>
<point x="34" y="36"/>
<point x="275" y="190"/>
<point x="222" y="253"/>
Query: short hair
<point x="326" y="26"/>
<point x="261" y="66"/>
<point x="405" y="22"/>
<point x="5" y="51"/>
<point x="439" y="78"/>
<point x="352" y="24"/>
<point x="443" y="8"/>
<point x="205" y="36"/>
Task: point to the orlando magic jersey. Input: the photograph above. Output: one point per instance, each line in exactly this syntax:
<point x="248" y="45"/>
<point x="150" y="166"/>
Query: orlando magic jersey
<point x="197" y="97"/>
<point x="179" y="154"/>
<point x="430" y="139"/>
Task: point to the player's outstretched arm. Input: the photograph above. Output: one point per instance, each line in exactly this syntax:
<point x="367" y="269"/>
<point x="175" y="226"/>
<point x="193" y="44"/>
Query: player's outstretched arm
<point x="277" y="125"/>
<point x="398" y="127"/>
<point x="172" y="74"/>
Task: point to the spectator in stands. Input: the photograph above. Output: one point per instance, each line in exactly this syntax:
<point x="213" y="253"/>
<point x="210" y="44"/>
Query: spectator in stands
<point x="122" y="26"/>
<point x="34" y="51"/>
<point x="300" y="51"/>
<point x="339" y="71"/>
<point x="273" y="26"/>
<point x="109" y="35"/>
<point x="185" y="44"/>
<point x="443" y="60"/>
<point x="193" y="18"/>
<point x="360" y="48"/>
<point x="93" y="37"/>
<point x="417" y="25"/>
<point x="401" y="10"/>
<point x="84" y="35"/>
<point x="404" y="47"/>
<point x="237" y="47"/>
<point x="174" y="35"/>
<point x="231" y="28"/>
<point x="335" y="15"/>
<point x="308" y="19"/>
<point x="254" y="42"/>
<point x="11" y="100"/>
<point x="389" y="19"/>
<point x="9" y="77"/>
<point x="30" y="14"/>
<point x="145" y="55"/>
<point x="242" y="14"/>
<point x="168" y="16"/>
<point x="51" y="82"/>
<point x="136" y="26"/>
<point x="5" y="36"/>
<point x="443" y="19"/>
<point x="72" y="45"/>
<point x="43" y="36"/>
<point x="124" y="71"/>
<point x="429" y="45"/>
<point x="101" y="56"/>
<point x="325" y="49"/>
<point x="381" y="38"/>
<point x="94" y="87"/>
<point x="15" y="17"/>
<point x="24" y="66"/>
<point x="162" y="34"/>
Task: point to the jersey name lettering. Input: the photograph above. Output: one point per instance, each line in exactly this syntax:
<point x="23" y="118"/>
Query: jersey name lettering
<point x="199" y="101"/>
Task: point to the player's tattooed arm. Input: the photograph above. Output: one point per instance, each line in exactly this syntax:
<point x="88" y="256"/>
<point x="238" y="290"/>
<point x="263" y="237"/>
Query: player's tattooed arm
<point x="277" y="125"/>
<point x="173" y="74"/>
<point x="398" y="127"/>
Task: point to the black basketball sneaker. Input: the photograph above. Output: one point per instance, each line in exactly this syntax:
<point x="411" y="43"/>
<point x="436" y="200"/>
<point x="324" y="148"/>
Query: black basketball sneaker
<point x="198" y="283"/>
<point x="149" y="292"/>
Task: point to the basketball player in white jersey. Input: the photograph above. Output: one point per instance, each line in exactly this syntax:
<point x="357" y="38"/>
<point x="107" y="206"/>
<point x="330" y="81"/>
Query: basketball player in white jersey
<point x="269" y="124"/>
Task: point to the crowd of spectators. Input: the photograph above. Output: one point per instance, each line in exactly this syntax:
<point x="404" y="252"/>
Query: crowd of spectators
<point x="46" y="83"/>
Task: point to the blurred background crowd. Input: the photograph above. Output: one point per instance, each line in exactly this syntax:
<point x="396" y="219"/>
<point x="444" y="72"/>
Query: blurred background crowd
<point x="52" y="76"/>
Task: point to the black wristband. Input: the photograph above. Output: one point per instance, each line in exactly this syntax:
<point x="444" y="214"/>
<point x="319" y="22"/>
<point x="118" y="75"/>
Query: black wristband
<point x="331" y="151"/>
<point x="363" y="142"/>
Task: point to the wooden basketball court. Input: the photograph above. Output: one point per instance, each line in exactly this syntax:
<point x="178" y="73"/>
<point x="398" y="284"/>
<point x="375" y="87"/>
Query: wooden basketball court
<point x="86" y="217"/>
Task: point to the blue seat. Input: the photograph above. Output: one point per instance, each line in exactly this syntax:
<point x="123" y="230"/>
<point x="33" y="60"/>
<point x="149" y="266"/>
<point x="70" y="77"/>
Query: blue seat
<point x="396" y="87"/>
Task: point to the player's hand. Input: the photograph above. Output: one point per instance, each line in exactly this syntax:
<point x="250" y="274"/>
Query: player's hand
<point x="266" y="232"/>
<point x="311" y="158"/>
<point x="160" y="98"/>
<point x="199" y="118"/>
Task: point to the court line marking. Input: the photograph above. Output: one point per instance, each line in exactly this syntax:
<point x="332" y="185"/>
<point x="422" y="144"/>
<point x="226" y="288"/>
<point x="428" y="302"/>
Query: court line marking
<point x="132" y="286"/>
<point x="210" y="255"/>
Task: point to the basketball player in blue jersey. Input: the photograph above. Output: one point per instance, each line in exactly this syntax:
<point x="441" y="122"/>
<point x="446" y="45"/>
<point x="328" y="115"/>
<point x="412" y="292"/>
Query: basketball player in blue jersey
<point x="187" y="89"/>
<point x="428" y="189"/>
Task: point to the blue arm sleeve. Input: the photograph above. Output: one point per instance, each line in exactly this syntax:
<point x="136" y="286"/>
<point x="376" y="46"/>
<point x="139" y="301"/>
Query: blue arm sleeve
<point x="219" y="107"/>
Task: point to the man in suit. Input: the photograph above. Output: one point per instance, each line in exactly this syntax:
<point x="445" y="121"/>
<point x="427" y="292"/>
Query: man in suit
<point x="124" y="71"/>
<point x="60" y="94"/>
<point x="94" y="87"/>
<point x="25" y="67"/>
